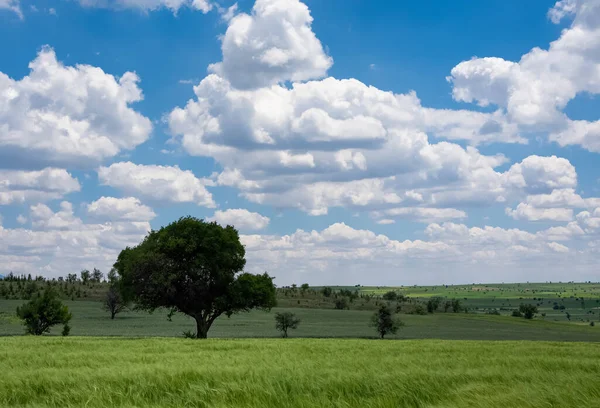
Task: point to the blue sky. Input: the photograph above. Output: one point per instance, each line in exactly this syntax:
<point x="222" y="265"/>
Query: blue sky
<point x="349" y="141"/>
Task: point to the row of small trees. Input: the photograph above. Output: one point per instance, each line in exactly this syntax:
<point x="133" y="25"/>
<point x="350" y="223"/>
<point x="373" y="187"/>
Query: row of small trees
<point x="383" y="321"/>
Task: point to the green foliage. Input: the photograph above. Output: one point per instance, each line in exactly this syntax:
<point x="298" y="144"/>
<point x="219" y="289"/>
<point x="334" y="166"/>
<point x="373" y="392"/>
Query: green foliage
<point x="457" y="306"/>
<point x="85" y="276"/>
<point x="190" y="266"/>
<point x="391" y="295"/>
<point x="528" y="310"/>
<point x="43" y="312"/>
<point x="326" y="291"/>
<point x="341" y="303"/>
<point x="286" y="321"/>
<point x="384" y="322"/>
<point x="188" y="334"/>
<point x="304" y="287"/>
<point x="114" y="302"/>
<point x="418" y="309"/>
<point x="516" y="313"/>
<point x="433" y="304"/>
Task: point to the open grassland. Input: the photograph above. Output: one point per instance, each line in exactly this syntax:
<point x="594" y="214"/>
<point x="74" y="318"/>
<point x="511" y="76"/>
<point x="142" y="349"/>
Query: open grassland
<point x="90" y="320"/>
<point x="496" y="290"/>
<point x="101" y="372"/>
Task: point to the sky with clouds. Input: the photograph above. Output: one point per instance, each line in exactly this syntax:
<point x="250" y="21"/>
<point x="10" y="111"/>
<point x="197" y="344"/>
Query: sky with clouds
<point x="349" y="141"/>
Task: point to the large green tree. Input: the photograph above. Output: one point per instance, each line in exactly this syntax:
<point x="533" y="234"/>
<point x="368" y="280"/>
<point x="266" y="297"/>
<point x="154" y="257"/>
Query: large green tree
<point x="43" y="312"/>
<point x="193" y="267"/>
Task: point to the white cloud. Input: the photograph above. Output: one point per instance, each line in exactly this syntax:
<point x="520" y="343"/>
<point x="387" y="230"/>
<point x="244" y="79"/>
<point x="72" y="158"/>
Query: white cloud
<point x="43" y="218"/>
<point x="535" y="90"/>
<point x="12" y="5"/>
<point x="556" y="247"/>
<point x="242" y="219"/>
<point x="120" y="209"/>
<point x="562" y="9"/>
<point x="455" y="253"/>
<point x="274" y="44"/>
<point x="17" y="186"/>
<point x="157" y="183"/>
<point x="530" y="213"/>
<point x="150" y="5"/>
<point x="21" y="219"/>
<point x="421" y="214"/>
<point x="62" y="243"/>
<point x="542" y="174"/>
<point x="68" y="115"/>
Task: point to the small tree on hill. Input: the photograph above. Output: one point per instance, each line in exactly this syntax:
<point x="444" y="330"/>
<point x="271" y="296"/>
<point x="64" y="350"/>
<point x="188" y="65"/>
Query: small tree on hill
<point x="384" y="322"/>
<point x="114" y="302"/>
<point x="304" y="287"/>
<point x="433" y="304"/>
<point x="327" y="291"/>
<point x="96" y="276"/>
<point x="528" y="310"/>
<point x="193" y="267"/>
<point x="43" y="312"/>
<point x="391" y="295"/>
<point x="85" y="276"/>
<point x="456" y="306"/>
<point x="341" y="303"/>
<point x="286" y="321"/>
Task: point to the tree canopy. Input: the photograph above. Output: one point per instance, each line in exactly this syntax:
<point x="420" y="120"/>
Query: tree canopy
<point x="193" y="267"/>
<point x="43" y="312"/>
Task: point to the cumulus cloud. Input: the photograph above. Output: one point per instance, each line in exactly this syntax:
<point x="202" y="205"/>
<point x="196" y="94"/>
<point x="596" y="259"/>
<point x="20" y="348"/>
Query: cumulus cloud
<point x="530" y="213"/>
<point x="120" y="209"/>
<point x="535" y="90"/>
<point x="242" y="219"/>
<point x="65" y="115"/>
<point x="421" y="214"/>
<point x="273" y="44"/>
<point x="157" y="183"/>
<point x="12" y="5"/>
<point x="60" y="243"/>
<point x="150" y="5"/>
<point x="18" y="186"/>
<point x="497" y="253"/>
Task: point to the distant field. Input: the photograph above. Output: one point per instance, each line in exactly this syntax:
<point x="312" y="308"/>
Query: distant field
<point x="496" y="290"/>
<point x="151" y="373"/>
<point x="90" y="320"/>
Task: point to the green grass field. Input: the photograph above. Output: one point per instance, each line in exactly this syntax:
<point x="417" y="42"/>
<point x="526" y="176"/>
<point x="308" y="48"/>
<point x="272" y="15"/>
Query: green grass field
<point x="101" y="372"/>
<point x="90" y="320"/>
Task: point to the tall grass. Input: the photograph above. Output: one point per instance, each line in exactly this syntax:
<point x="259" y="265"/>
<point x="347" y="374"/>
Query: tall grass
<point x="102" y="372"/>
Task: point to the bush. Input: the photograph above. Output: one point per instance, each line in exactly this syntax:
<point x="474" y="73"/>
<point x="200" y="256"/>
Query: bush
<point x="418" y="309"/>
<point x="188" y="334"/>
<point x="326" y="291"/>
<point x="516" y="313"/>
<point x="528" y="310"/>
<point x="391" y="295"/>
<point x="384" y="322"/>
<point x="286" y="321"/>
<point x="592" y="323"/>
<point x="433" y="304"/>
<point x="495" y="312"/>
<point x="43" y="312"/>
<point x="341" y="304"/>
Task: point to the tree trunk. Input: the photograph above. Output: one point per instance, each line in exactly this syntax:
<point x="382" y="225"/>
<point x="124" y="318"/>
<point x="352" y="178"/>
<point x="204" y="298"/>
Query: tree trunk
<point x="112" y="315"/>
<point x="202" y="327"/>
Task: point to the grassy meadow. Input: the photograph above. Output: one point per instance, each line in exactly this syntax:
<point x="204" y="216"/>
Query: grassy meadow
<point x="101" y="372"/>
<point x="89" y="319"/>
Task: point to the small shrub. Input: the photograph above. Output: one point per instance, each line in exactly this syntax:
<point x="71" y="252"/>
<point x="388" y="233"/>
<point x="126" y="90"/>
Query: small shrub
<point x="341" y="303"/>
<point x="384" y="322"/>
<point x="286" y="321"/>
<point x="391" y="295"/>
<point x="516" y="313"/>
<point x="66" y="330"/>
<point x="188" y="334"/>
<point x="592" y="323"/>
